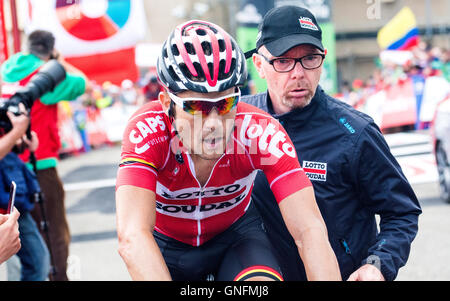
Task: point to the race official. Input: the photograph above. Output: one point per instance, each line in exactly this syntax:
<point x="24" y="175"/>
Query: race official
<point x="343" y="152"/>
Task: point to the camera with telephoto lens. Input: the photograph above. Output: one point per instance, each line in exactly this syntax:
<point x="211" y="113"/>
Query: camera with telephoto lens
<point x="48" y="77"/>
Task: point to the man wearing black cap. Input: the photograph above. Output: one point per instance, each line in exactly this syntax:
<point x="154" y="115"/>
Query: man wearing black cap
<point x="342" y="151"/>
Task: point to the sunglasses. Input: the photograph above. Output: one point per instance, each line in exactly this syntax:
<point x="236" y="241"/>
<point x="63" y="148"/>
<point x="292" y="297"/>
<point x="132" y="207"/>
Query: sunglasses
<point x="193" y="105"/>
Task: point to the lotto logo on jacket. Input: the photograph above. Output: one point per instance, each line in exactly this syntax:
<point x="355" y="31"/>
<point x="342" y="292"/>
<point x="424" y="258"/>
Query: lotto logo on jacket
<point x="316" y="171"/>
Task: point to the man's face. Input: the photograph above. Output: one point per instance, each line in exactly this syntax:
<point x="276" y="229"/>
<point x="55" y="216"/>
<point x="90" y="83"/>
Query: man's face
<point x="204" y="136"/>
<point x="293" y="89"/>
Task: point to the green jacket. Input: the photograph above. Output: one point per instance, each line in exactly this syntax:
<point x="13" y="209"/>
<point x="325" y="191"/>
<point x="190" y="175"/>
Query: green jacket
<point x="44" y="111"/>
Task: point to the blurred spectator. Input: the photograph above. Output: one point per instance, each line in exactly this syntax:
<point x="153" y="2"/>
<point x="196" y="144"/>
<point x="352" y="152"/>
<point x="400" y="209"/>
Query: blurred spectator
<point x="446" y="64"/>
<point x="128" y="93"/>
<point x="151" y="88"/>
<point x="33" y="255"/>
<point x="426" y="61"/>
<point x="19" y="69"/>
<point x="9" y="225"/>
<point x="357" y="84"/>
<point x="249" y="87"/>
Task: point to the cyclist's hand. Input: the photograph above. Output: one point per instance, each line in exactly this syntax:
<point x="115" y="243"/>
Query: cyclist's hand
<point x="367" y="272"/>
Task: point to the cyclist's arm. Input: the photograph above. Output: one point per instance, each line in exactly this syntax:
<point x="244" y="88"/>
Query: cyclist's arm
<point x="135" y="221"/>
<point x="305" y="223"/>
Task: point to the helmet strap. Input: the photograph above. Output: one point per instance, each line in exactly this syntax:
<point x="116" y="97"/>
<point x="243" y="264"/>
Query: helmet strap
<point x="171" y="114"/>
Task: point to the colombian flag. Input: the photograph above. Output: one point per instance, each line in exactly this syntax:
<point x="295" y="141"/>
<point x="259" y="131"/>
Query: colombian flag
<point x="400" y="33"/>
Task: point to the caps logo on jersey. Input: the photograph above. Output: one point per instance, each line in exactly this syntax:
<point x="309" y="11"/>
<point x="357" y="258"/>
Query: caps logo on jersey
<point x="307" y="23"/>
<point x="143" y="129"/>
<point x="316" y="171"/>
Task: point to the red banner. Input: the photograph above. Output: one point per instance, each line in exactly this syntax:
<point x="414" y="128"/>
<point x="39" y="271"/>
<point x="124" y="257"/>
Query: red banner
<point x="3" y="36"/>
<point x="399" y="107"/>
<point x="111" y="66"/>
<point x="97" y="37"/>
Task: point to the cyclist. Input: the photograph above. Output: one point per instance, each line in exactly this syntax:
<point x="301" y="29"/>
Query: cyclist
<point x="187" y="169"/>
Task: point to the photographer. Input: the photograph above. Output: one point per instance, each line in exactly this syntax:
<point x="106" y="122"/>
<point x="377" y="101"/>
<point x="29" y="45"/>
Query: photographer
<point x="9" y="226"/>
<point x="33" y="254"/>
<point x="17" y="71"/>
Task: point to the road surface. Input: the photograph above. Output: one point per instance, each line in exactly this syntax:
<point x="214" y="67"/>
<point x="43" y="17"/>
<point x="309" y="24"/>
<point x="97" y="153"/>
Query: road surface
<point x="89" y="182"/>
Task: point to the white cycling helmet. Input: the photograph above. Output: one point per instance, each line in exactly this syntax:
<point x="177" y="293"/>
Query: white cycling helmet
<point x="200" y="56"/>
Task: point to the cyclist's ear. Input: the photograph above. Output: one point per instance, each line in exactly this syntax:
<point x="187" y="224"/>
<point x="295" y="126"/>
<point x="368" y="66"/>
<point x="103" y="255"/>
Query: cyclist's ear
<point x="165" y="100"/>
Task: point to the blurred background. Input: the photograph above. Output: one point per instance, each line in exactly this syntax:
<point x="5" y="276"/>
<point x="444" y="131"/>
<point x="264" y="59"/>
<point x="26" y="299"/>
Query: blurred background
<point x="387" y="58"/>
<point x="350" y="26"/>
<point x="372" y="44"/>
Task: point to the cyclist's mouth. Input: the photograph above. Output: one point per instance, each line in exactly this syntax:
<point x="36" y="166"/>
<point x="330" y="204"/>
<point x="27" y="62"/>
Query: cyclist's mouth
<point x="212" y="142"/>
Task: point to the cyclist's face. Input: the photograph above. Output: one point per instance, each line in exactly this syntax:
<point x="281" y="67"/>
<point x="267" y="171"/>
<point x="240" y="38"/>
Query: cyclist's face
<point x="293" y="89"/>
<point x="204" y="135"/>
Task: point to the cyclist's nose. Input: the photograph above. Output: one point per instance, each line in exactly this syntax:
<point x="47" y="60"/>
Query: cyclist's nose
<point x="212" y="120"/>
<point x="213" y="113"/>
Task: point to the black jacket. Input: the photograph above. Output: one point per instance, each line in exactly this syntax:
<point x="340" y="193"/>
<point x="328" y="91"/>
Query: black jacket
<point x="355" y="177"/>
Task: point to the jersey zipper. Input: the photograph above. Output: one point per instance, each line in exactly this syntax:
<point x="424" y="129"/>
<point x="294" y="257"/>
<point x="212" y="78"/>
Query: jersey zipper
<point x="192" y="170"/>
<point x="199" y="225"/>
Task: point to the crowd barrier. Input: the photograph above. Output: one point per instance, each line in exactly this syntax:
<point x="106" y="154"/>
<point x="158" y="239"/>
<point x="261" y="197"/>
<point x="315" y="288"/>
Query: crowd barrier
<point x="82" y="128"/>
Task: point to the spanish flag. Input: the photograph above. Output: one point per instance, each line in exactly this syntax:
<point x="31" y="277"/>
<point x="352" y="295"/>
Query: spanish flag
<point x="400" y="33"/>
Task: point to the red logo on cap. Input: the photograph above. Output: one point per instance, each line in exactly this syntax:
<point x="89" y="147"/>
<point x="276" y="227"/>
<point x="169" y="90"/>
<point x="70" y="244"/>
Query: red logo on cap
<point x="307" y="23"/>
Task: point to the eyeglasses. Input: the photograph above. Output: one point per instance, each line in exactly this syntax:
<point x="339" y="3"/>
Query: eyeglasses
<point x="204" y="106"/>
<point x="308" y="62"/>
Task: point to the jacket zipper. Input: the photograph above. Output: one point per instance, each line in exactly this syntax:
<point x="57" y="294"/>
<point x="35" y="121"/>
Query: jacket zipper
<point x="345" y="245"/>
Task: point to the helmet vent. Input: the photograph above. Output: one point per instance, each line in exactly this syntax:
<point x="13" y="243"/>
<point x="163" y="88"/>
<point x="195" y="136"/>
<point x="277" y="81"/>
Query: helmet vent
<point x="221" y="45"/>
<point x="200" y="74"/>
<point x="222" y="75"/>
<point x="201" y="32"/>
<point x="190" y="48"/>
<point x="211" y="69"/>
<point x="206" y="48"/>
<point x="175" y="50"/>
<point x="173" y="75"/>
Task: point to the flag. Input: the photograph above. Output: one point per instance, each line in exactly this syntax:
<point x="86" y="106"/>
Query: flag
<point x="400" y="33"/>
<point x="97" y="37"/>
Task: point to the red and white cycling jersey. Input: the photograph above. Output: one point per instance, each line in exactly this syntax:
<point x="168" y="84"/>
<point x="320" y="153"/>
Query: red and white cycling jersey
<point x="153" y="158"/>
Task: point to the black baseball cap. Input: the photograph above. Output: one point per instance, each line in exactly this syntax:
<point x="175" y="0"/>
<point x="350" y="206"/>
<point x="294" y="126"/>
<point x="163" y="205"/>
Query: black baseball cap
<point x="285" y="27"/>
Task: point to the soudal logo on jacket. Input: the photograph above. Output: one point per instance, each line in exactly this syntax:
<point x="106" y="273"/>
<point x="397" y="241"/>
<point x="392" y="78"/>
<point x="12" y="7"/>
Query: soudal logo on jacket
<point x="316" y="171"/>
<point x="307" y="23"/>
